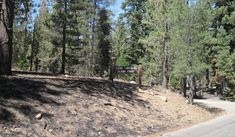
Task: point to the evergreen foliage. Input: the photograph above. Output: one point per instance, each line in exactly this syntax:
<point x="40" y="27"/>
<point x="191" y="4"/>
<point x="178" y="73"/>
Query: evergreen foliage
<point x="178" y="42"/>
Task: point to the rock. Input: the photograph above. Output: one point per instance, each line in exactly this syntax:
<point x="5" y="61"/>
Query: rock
<point x="16" y="129"/>
<point x="187" y="101"/>
<point x="50" y="130"/>
<point x="163" y="98"/>
<point x="129" y="96"/>
<point x="133" y="82"/>
<point x="140" y="90"/>
<point x="38" y="116"/>
<point x="73" y="112"/>
<point x="4" y="127"/>
<point x="145" y="91"/>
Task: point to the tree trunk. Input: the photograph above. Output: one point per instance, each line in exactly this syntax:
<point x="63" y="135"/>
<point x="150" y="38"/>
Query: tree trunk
<point x="62" y="71"/>
<point x="184" y="86"/>
<point x="191" y="90"/>
<point x="31" y="60"/>
<point x="207" y="84"/>
<point x="165" y="70"/>
<point x="31" y="57"/>
<point x="6" y="34"/>
<point x="190" y="65"/>
<point x="26" y="6"/>
<point x="36" y="64"/>
<point x="93" y="38"/>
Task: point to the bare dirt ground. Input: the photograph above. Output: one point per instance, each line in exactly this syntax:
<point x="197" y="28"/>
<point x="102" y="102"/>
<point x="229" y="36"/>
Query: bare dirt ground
<point x="90" y="107"/>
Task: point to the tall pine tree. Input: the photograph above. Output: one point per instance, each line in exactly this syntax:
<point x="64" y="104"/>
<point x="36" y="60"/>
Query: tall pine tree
<point x="6" y="35"/>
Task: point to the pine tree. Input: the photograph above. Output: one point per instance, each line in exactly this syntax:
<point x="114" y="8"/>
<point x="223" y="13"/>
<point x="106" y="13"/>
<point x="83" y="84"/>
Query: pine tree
<point x="119" y="43"/>
<point x="104" y="44"/>
<point x="133" y="16"/>
<point x="43" y="53"/>
<point x="6" y="34"/>
<point x="222" y="44"/>
<point x="79" y="37"/>
<point x="22" y="34"/>
<point x="84" y="35"/>
<point x="60" y="19"/>
<point x="191" y="31"/>
<point x="158" y="19"/>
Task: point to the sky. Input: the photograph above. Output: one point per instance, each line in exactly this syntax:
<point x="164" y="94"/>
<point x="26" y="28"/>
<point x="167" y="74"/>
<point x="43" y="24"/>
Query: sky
<point x="116" y="8"/>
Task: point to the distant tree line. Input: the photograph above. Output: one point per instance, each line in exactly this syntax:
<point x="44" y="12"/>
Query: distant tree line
<point x="182" y="44"/>
<point x="63" y="36"/>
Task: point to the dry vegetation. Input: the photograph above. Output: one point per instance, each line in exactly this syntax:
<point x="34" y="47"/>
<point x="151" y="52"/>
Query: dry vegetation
<point x="89" y="107"/>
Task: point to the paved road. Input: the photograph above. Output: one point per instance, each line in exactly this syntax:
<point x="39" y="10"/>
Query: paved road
<point x="223" y="126"/>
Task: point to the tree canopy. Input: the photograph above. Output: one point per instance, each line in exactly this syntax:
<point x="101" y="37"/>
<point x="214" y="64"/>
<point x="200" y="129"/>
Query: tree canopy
<point x="183" y="42"/>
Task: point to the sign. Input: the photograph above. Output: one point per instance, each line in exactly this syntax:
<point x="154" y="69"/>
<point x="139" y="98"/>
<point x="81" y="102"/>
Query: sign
<point x="127" y="69"/>
<point x="124" y="69"/>
<point x="138" y="70"/>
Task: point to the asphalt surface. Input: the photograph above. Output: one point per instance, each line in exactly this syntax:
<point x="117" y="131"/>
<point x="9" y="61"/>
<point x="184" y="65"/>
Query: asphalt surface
<point x="223" y="126"/>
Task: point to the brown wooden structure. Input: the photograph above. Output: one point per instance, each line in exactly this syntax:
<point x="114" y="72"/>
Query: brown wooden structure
<point x="138" y="70"/>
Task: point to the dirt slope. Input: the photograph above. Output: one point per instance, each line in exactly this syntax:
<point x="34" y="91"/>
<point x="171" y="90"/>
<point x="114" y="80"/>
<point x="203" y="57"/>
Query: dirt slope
<point x="88" y="107"/>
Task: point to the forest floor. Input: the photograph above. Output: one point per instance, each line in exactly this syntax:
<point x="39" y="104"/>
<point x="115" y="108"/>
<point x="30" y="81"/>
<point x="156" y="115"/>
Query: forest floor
<point x="60" y="106"/>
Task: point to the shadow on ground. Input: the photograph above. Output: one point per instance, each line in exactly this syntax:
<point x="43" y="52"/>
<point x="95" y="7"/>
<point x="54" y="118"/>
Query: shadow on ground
<point x="22" y="94"/>
<point x="210" y="109"/>
<point x="16" y="93"/>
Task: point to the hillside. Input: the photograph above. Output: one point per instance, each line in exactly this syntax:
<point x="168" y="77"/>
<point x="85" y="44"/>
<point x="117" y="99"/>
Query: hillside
<point x="89" y="107"/>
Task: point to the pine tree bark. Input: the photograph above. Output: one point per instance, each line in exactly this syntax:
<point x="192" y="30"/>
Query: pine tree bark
<point x="6" y="34"/>
<point x="207" y="79"/>
<point x="31" y="60"/>
<point x="191" y="90"/>
<point x="184" y="86"/>
<point x="165" y="68"/>
<point x="93" y="37"/>
<point x="31" y="56"/>
<point x="62" y="71"/>
<point x="190" y="65"/>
